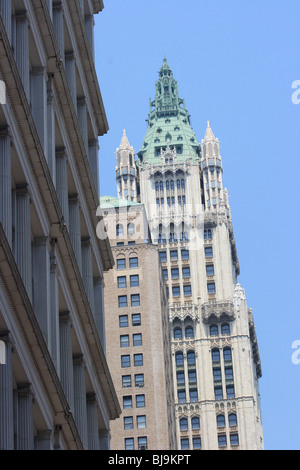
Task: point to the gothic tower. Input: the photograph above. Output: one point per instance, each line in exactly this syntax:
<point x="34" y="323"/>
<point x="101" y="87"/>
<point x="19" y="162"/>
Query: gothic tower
<point x="126" y="171"/>
<point x="216" y="364"/>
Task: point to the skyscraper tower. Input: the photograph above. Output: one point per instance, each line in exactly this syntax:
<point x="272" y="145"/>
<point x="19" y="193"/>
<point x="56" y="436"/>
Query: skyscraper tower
<point x="216" y="363"/>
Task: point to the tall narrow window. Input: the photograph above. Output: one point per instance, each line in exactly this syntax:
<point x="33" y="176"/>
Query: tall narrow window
<point x="119" y="230"/>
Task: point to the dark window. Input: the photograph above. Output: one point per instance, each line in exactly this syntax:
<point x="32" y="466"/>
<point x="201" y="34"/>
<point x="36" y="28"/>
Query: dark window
<point x="133" y="262"/>
<point x="123" y="321"/>
<point x="220" y="421"/>
<point x="122" y="301"/>
<point x="208" y="251"/>
<point x="121" y="282"/>
<point x="125" y="361"/>
<point x="134" y="280"/>
<point x="185" y="254"/>
<point x="121" y="263"/>
<point x="138" y="360"/>
<point x="136" y="319"/>
<point x="135" y="300"/>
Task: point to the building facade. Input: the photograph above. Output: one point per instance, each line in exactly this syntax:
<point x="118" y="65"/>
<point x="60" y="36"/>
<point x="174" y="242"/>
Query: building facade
<point x="216" y="363"/>
<point x="56" y="391"/>
<point x="137" y="331"/>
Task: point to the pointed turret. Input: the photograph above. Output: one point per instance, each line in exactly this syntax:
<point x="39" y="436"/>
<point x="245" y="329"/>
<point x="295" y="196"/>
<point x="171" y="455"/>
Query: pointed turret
<point x="126" y="172"/>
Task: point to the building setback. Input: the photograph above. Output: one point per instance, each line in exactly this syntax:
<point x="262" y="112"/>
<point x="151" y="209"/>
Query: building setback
<point x="137" y="331"/>
<point x="215" y="357"/>
<point x="56" y="390"/>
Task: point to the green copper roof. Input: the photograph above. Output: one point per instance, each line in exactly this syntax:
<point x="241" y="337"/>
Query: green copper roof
<point x="168" y="123"/>
<point x="111" y="201"/>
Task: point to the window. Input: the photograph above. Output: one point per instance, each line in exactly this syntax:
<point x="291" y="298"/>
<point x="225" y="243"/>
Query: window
<point x="189" y="332"/>
<point x="175" y="273"/>
<point x="177" y="333"/>
<point x="121" y="263"/>
<point x="234" y="439"/>
<point x="124" y="341"/>
<point x="196" y="443"/>
<point x="215" y="355"/>
<point x="140" y="401"/>
<point x="228" y="373"/>
<point x="187" y="290"/>
<point x="191" y="357"/>
<point x="136" y="319"/>
<point x="129" y="443"/>
<point x="232" y="419"/>
<point x="137" y="339"/>
<point x="180" y="377"/>
<point x="126" y="381"/>
<point x="134" y="280"/>
<point x="178" y="184"/>
<point x="141" y="421"/>
<point x="192" y="377"/>
<point x="182" y="184"/>
<point x="163" y="256"/>
<point x="125" y="361"/>
<point x="195" y="423"/>
<point x="165" y="274"/>
<point x="221" y="421"/>
<point x="173" y="255"/>
<point x="213" y="330"/>
<point x="181" y="396"/>
<point x="211" y="288"/>
<point x="161" y="185"/>
<point x="121" y="282"/>
<point x="207" y="234"/>
<point x="217" y="374"/>
<point x="225" y="329"/>
<point x="208" y="251"/>
<point x="179" y="358"/>
<point x="185" y="255"/>
<point x="130" y="229"/>
<point x="230" y="391"/>
<point x="128" y="422"/>
<point x="127" y="402"/>
<point x="227" y="354"/>
<point x="183" y="424"/>
<point x="123" y="321"/>
<point x="133" y="262"/>
<point x="222" y="442"/>
<point x="167" y="184"/>
<point x="193" y="395"/>
<point x="184" y="442"/>
<point x="119" y="230"/>
<point x="135" y="300"/>
<point x="139" y="380"/>
<point x="122" y="301"/>
<point x="218" y="393"/>
<point x="156" y="185"/>
<point x="172" y="184"/>
<point x="142" y="443"/>
<point x="210" y="270"/>
<point x="138" y="360"/>
<point x="176" y="291"/>
<point x="186" y="272"/>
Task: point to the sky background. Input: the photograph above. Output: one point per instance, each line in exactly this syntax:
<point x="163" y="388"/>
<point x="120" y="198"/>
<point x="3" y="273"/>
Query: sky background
<point x="235" y="63"/>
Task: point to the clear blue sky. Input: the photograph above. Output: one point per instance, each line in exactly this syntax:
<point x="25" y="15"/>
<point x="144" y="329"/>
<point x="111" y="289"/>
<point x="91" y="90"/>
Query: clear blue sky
<point x="235" y="62"/>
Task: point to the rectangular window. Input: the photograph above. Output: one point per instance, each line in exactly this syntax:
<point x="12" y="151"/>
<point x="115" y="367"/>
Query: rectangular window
<point x="134" y="280"/>
<point x="217" y="374"/>
<point x="127" y="402"/>
<point x="122" y="301"/>
<point x="142" y="443"/>
<point x="123" y="321"/>
<point x="173" y="255"/>
<point x="208" y="252"/>
<point x="234" y="439"/>
<point x="176" y="291"/>
<point x="121" y="263"/>
<point x="175" y="273"/>
<point x="124" y="341"/>
<point x="129" y="443"/>
<point x="185" y="255"/>
<point x="165" y="273"/>
<point x="218" y="393"/>
<point x="138" y="360"/>
<point x="193" y="395"/>
<point x="136" y="319"/>
<point x="186" y="272"/>
<point x="180" y="377"/>
<point x="163" y="256"/>
<point x="126" y="381"/>
<point x="222" y="440"/>
<point x="125" y="361"/>
<point x="121" y="282"/>
<point x="139" y="380"/>
<point x="230" y="391"/>
<point x="184" y="442"/>
<point x="196" y="443"/>
<point x="135" y="300"/>
<point x="141" y="422"/>
<point x="187" y="290"/>
<point x="140" y="401"/>
<point x="211" y="288"/>
<point x="128" y="422"/>
<point x="133" y="262"/>
<point x="210" y="271"/>
<point x="137" y="339"/>
<point x="181" y="396"/>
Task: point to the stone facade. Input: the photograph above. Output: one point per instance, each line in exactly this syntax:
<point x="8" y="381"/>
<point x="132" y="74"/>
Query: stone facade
<point x="56" y="391"/>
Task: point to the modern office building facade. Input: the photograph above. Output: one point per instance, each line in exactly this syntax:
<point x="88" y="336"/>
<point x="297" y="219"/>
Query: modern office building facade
<point x="56" y="391"/>
<point x="137" y="331"/>
<point x="216" y="363"/>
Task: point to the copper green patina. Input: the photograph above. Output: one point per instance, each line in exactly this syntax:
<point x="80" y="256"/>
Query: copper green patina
<point x="168" y="124"/>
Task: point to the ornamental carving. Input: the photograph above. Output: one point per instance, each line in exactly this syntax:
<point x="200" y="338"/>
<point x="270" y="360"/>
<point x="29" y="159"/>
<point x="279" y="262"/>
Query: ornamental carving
<point x="217" y="312"/>
<point x="183" y="312"/>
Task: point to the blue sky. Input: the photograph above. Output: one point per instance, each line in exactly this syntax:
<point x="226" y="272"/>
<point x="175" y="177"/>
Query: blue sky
<point x="235" y="63"/>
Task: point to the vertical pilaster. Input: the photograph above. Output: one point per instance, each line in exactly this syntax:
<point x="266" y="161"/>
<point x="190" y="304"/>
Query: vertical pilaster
<point x="22" y="48"/>
<point x="80" y="408"/>
<point x="6" y="396"/>
<point x="49" y="3"/>
<point x="82" y="118"/>
<point x="99" y="309"/>
<point x="25" y="438"/>
<point x="74" y="227"/>
<point x="51" y="130"/>
<point x="23" y="235"/>
<point x="54" y="308"/>
<point x="89" y="26"/>
<point x="62" y="182"/>
<point x="104" y="439"/>
<point x="92" y="422"/>
<point x="66" y="358"/>
<point x="5" y="11"/>
<point x="87" y="270"/>
<point x="58" y="23"/>
<point x="94" y="162"/>
<point x="70" y="66"/>
<point x="43" y="440"/>
<point x="41" y="286"/>
<point x="39" y="104"/>
<point x="5" y="182"/>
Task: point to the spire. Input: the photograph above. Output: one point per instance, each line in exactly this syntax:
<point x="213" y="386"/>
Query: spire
<point x="209" y="135"/>
<point x="124" y="142"/>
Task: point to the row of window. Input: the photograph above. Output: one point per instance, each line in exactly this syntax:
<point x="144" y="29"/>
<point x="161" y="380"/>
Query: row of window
<point x="160" y="202"/>
<point x="128" y="422"/>
<point x="185" y="255"/>
<point x="122" y="281"/>
<point x="185" y="443"/>
<point x="135" y="320"/>
<point x="136" y="340"/>
<point x="139" y="401"/>
<point x="133" y="262"/>
<point x="232" y="420"/>
<point x="138" y="380"/>
<point x="186" y="273"/>
<point x="189" y="331"/>
<point x="159" y="185"/>
<point x="141" y="442"/>
<point x="184" y="424"/>
<point x="138" y="360"/>
<point x="187" y="291"/>
<point x="134" y="300"/>
<point x="222" y="440"/>
<point x="120" y="230"/>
